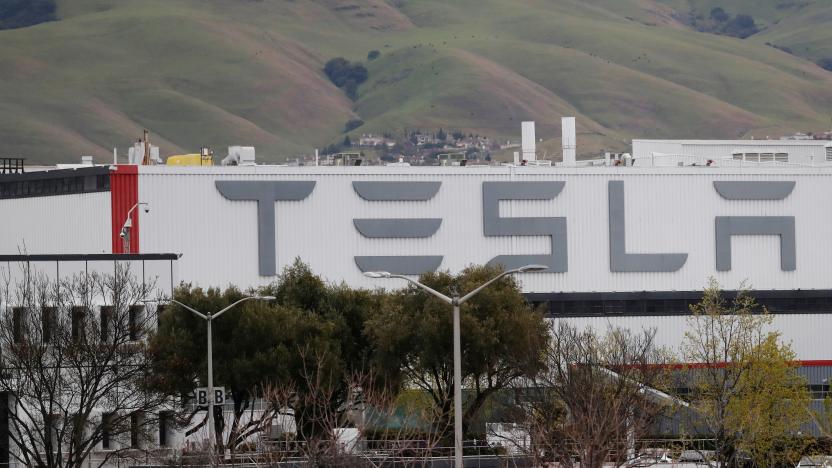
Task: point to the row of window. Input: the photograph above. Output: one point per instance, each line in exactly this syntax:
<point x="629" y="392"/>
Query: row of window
<point x="79" y="325"/>
<point x="46" y="186"/>
<point x="138" y="429"/>
<point x="762" y="157"/>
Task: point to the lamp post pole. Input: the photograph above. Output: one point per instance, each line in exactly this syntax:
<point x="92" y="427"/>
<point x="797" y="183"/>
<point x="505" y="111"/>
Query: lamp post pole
<point x="209" y="317"/>
<point x="128" y="226"/>
<point x="456" y="302"/>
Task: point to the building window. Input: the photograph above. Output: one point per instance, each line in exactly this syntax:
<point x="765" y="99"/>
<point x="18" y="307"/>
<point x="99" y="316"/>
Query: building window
<point x="48" y="318"/>
<point x="79" y="316"/>
<point x="135" y="429"/>
<point x="781" y="157"/>
<point x="107" y="430"/>
<point x="107" y="323"/>
<point x="165" y="426"/>
<point x="51" y="425"/>
<point x="135" y="319"/>
<point x="160" y="309"/>
<point x="19" y="316"/>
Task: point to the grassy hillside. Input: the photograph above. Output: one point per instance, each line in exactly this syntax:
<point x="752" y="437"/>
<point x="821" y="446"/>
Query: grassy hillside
<point x="224" y="72"/>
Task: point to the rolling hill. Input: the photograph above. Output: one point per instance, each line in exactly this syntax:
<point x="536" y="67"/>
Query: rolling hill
<point x="225" y="72"/>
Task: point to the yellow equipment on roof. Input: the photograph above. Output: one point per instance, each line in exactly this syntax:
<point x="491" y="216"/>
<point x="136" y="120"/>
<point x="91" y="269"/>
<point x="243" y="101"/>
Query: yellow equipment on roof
<point x="194" y="159"/>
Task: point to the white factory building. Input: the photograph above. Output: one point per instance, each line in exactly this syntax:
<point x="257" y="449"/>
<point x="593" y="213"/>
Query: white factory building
<point x="732" y="153"/>
<point x="630" y="245"/>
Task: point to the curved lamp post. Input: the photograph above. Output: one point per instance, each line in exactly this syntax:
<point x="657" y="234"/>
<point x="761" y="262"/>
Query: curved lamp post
<point x="209" y="317"/>
<point x="128" y="226"/>
<point x="456" y="302"/>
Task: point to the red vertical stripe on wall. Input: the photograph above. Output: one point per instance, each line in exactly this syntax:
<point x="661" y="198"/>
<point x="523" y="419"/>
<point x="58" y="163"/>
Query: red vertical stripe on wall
<point x="124" y="194"/>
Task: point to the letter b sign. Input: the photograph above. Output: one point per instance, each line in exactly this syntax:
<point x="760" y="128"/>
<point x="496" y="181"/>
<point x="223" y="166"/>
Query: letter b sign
<point x="201" y="396"/>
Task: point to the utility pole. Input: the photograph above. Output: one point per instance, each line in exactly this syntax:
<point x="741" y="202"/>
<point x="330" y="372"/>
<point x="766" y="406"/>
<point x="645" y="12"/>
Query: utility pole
<point x="146" y="158"/>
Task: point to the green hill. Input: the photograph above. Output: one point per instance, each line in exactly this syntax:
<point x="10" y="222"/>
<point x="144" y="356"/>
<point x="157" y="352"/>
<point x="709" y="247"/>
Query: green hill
<point x="226" y="72"/>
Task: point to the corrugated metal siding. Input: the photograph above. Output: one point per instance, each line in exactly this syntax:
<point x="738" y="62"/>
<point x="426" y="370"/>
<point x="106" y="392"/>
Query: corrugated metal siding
<point x="124" y="189"/>
<point x="807" y="334"/>
<point x="57" y="224"/>
<point x="668" y="211"/>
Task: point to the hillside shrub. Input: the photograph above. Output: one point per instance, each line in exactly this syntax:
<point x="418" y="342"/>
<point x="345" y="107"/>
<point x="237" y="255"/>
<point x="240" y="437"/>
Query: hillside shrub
<point x="718" y="14"/>
<point x="346" y="75"/>
<point x="352" y="124"/>
<point x="720" y="21"/>
<point x="21" y="13"/>
<point x="741" y="26"/>
<point x="825" y="63"/>
<point x="373" y="54"/>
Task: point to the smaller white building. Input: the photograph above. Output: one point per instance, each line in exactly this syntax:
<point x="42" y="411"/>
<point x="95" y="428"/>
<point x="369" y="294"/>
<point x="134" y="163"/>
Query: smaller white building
<point x="732" y="152"/>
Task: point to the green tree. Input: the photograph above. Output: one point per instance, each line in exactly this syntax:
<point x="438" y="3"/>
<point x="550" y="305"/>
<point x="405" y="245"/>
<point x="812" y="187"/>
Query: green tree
<point x="502" y="336"/>
<point x="741" y="368"/>
<point x="22" y="13"/>
<point x="770" y="404"/>
<point x="312" y="331"/>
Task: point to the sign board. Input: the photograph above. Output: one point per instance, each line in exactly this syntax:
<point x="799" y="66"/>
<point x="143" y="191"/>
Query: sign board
<point x="201" y="396"/>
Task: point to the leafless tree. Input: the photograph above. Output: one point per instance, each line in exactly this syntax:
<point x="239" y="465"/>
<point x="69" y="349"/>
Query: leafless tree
<point x="73" y="368"/>
<point x="375" y="426"/>
<point x="597" y="395"/>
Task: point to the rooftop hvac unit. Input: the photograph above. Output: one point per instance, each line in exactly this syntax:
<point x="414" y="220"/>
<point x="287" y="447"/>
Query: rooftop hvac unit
<point x="239" y="156"/>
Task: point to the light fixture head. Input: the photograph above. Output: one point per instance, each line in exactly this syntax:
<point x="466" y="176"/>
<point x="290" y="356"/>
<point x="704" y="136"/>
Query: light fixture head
<point x="528" y="268"/>
<point x="265" y="298"/>
<point x="377" y="274"/>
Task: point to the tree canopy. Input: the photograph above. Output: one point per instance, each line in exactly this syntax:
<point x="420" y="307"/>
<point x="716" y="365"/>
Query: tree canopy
<point x="346" y="75"/>
<point x="746" y="392"/>
<point x="310" y="325"/>
<point x="502" y="336"/>
<point x="22" y="13"/>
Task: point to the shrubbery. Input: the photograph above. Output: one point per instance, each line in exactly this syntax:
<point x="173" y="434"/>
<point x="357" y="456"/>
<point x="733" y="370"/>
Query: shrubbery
<point x="346" y="75"/>
<point x="352" y="124"/>
<point x="21" y="13"/>
<point x="825" y="63"/>
<point x="720" y="22"/>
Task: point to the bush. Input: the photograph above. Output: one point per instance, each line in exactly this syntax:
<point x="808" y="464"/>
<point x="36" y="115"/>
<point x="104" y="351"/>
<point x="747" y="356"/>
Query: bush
<point x="352" y="124"/>
<point x="373" y="54"/>
<point x="21" y="13"/>
<point x="741" y="26"/>
<point x="825" y="63"/>
<point x="718" y="14"/>
<point x="346" y="75"/>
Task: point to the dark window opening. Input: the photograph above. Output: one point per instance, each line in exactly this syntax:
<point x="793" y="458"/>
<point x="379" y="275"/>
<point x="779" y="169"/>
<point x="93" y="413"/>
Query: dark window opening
<point x="165" y="427"/>
<point x="106" y="430"/>
<point x="79" y="316"/>
<point x="107" y="322"/>
<point x="135" y="316"/>
<point x="19" y="315"/>
<point x="160" y="309"/>
<point x="48" y="319"/>
<point x="135" y="421"/>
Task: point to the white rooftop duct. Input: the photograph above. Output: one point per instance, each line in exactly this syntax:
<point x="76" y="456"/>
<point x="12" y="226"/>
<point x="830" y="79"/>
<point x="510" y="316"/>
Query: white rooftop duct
<point x="568" y="140"/>
<point x="527" y="145"/>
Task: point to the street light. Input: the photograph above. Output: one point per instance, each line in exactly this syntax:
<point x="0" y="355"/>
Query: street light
<point x="209" y="317"/>
<point x="457" y="301"/>
<point x="128" y="224"/>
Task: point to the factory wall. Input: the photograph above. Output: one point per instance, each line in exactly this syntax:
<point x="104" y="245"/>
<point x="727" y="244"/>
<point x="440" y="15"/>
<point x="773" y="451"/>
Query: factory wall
<point x="77" y="223"/>
<point x="666" y="211"/>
